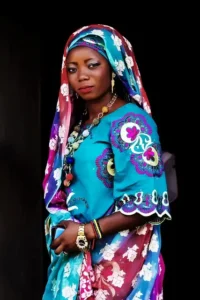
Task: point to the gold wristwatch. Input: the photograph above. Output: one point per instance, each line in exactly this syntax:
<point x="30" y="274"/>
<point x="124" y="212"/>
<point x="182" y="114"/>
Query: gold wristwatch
<point x="81" y="240"/>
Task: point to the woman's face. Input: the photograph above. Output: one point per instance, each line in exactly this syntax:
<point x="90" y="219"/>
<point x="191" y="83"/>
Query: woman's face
<point x="89" y="73"/>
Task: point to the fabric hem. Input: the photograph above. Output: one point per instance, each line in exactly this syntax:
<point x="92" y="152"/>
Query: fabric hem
<point x="165" y="215"/>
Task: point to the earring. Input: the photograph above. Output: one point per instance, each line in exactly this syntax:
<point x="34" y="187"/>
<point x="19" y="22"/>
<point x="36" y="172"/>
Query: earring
<point x="113" y="82"/>
<point x="71" y="92"/>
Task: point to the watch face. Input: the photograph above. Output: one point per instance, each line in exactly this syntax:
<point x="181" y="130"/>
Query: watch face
<point x="82" y="242"/>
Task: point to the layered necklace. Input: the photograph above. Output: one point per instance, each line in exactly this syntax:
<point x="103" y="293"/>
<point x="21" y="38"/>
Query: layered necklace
<point x="76" y="138"/>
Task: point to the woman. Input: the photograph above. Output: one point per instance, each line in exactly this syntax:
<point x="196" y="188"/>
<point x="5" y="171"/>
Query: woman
<point x="104" y="182"/>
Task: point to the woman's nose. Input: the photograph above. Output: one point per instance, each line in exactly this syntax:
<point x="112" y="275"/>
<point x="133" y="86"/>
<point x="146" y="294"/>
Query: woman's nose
<point x="82" y="76"/>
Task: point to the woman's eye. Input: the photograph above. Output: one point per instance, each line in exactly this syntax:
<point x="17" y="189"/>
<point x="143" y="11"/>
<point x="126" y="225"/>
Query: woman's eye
<point x="71" y="70"/>
<point x="93" y="65"/>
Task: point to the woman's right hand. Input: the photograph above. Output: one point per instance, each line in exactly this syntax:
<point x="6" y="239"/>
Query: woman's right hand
<point x="67" y="240"/>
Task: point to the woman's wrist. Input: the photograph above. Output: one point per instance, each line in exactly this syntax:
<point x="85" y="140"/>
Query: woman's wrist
<point x="89" y="232"/>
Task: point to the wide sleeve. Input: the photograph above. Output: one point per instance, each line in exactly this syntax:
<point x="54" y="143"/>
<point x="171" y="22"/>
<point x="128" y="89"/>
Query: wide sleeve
<point x="139" y="179"/>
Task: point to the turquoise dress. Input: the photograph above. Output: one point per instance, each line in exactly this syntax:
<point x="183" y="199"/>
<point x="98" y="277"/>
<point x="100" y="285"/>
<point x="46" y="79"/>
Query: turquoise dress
<point x="119" y="164"/>
<point x="117" y="168"/>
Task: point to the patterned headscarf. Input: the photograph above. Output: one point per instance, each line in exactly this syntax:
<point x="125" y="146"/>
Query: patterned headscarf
<point x="93" y="42"/>
<point x="118" y="51"/>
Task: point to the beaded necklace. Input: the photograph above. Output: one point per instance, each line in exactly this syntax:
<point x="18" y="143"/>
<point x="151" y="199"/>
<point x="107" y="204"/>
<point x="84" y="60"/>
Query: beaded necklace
<point x="76" y="138"/>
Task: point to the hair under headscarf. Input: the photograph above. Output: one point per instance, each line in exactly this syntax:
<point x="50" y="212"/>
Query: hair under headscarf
<point x="118" y="51"/>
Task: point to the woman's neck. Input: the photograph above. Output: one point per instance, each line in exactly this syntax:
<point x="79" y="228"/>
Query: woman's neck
<point x="95" y="107"/>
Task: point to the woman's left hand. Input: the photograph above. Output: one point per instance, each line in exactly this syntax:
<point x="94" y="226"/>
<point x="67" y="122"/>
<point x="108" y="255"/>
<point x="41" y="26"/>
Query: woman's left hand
<point x="67" y="240"/>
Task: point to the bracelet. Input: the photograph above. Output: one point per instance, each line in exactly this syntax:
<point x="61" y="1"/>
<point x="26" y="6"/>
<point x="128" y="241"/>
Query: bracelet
<point x="97" y="229"/>
<point x="94" y="230"/>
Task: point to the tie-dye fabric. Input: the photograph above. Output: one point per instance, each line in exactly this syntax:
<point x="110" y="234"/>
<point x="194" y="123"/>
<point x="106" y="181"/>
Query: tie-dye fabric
<point x="126" y="265"/>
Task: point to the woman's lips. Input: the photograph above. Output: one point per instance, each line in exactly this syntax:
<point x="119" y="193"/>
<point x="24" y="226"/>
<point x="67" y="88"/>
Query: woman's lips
<point x="85" y="90"/>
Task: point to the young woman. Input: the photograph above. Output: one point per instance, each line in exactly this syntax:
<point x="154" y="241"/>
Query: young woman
<point x="105" y="185"/>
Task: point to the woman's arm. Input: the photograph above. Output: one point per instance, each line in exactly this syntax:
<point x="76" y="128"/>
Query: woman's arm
<point x="108" y="225"/>
<point x="117" y="222"/>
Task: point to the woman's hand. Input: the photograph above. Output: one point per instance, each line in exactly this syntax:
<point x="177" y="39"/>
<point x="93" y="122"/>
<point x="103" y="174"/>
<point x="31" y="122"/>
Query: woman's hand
<point x="67" y="240"/>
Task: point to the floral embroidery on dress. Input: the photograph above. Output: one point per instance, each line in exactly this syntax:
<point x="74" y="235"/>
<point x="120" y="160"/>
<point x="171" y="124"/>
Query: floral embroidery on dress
<point x="149" y="162"/>
<point x="105" y="167"/>
<point x="133" y="132"/>
<point x="145" y="204"/>
<point x="126" y="130"/>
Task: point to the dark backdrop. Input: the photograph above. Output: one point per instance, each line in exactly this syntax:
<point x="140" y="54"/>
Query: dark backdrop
<point x="21" y="228"/>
